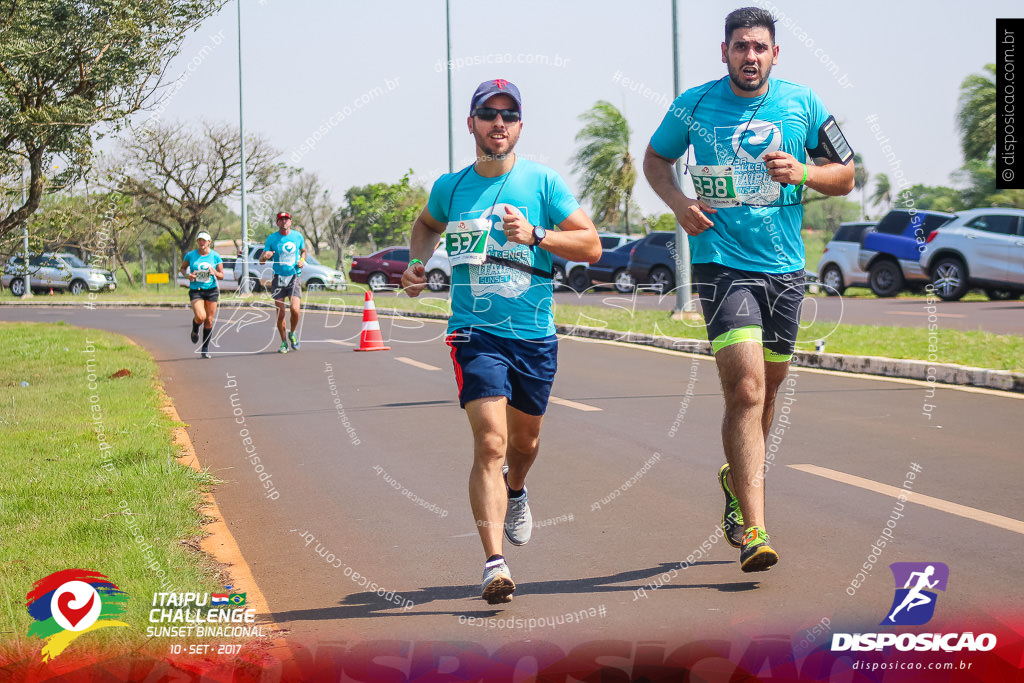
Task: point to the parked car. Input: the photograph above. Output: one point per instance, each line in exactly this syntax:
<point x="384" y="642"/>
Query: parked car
<point x="228" y="284"/>
<point x="613" y="267"/>
<point x="314" y="274"/>
<point x="381" y="269"/>
<point x="979" y="248"/>
<point x="652" y="262"/>
<point x="56" y="271"/>
<point x="438" y="269"/>
<point x="838" y="267"/>
<point x="891" y="254"/>
<point x="574" y="273"/>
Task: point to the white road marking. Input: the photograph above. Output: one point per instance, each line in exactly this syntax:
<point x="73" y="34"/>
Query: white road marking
<point x="913" y="497"/>
<point x="415" y="363"/>
<point x="573" y="404"/>
<point x="338" y="342"/>
<point x="939" y="315"/>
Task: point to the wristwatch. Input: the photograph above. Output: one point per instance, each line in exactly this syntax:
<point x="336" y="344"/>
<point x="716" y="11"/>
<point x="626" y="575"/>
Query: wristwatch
<point x="539" y="234"/>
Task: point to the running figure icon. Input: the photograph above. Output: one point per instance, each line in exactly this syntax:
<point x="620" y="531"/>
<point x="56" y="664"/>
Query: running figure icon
<point x="916" y="597"/>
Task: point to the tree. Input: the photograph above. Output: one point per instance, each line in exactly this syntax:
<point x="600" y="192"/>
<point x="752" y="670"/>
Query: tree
<point x="937" y="198"/>
<point x="176" y="176"/>
<point x="976" y="118"/>
<point x="605" y="164"/>
<point x="883" y="192"/>
<point x="66" y="66"/>
<point x="102" y="224"/>
<point x="306" y="198"/>
<point x="860" y="180"/>
<point x="827" y="214"/>
<point x="382" y="213"/>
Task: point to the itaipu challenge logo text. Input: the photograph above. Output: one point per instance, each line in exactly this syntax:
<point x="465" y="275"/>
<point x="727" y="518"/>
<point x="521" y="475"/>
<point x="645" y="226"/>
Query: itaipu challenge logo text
<point x="70" y="603"/>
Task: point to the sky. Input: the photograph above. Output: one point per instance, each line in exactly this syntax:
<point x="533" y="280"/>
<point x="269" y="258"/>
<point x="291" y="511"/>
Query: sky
<point x="356" y="91"/>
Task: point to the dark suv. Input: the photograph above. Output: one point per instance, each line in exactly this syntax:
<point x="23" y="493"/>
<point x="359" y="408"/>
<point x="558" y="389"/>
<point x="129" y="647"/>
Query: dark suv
<point x="652" y="263"/>
<point x="891" y="254"/>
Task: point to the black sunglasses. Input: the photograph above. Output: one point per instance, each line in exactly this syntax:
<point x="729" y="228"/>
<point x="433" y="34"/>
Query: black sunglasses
<point x="489" y="114"/>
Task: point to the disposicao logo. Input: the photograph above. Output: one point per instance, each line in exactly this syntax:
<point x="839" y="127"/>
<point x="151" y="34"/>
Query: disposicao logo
<point x="913" y="605"/>
<point x="69" y="603"/>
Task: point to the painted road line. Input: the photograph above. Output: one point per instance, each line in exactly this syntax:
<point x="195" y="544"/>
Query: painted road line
<point x="573" y="404"/>
<point x="415" y="363"/>
<point x="338" y="342"/>
<point x="913" y="497"/>
<point x="938" y="315"/>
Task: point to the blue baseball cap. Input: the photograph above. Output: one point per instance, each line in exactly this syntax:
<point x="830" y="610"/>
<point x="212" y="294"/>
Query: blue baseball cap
<point x="488" y="89"/>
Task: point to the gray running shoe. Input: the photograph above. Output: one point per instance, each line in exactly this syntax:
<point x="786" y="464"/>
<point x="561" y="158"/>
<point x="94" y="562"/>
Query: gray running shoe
<point x="518" y="519"/>
<point x="497" y="586"/>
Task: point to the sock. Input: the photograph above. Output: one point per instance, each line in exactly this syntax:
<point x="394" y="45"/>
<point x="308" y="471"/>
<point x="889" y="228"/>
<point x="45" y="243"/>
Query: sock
<point x="207" y="332"/>
<point x="495" y="558"/>
<point x="195" y="325"/>
<point x="516" y="493"/>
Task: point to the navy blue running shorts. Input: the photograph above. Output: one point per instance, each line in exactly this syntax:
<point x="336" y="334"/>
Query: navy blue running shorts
<point x="521" y="370"/>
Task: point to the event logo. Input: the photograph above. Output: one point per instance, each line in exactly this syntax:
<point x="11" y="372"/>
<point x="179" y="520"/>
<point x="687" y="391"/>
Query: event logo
<point x="69" y="603"/>
<point x="755" y="140"/>
<point x="914" y="603"/>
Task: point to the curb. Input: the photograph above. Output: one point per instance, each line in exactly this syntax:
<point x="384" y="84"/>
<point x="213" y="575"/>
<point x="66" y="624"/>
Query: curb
<point x="933" y="373"/>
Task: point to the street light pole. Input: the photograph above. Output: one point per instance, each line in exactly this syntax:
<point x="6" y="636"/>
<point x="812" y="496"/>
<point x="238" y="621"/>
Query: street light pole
<point x="448" y="69"/>
<point x="24" y="233"/>
<point x="244" y="285"/>
<point x="684" y="300"/>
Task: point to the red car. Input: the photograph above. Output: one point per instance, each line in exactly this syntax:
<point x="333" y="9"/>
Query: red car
<point x="382" y="269"/>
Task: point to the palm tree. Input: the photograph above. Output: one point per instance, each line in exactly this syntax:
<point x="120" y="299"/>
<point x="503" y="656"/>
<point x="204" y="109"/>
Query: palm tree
<point x="976" y="119"/>
<point x="883" y="191"/>
<point x="603" y="160"/>
<point x="860" y="180"/>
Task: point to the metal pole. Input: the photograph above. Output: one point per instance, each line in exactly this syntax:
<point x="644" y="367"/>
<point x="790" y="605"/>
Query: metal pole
<point x="244" y="288"/>
<point x="142" y="256"/>
<point x="24" y="231"/>
<point x="448" y="69"/>
<point x="684" y="300"/>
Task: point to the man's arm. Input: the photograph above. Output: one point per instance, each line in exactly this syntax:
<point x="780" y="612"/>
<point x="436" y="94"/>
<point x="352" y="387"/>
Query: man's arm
<point x="691" y="213"/>
<point x="576" y="240"/>
<point x="829" y="178"/>
<point x="426" y="232"/>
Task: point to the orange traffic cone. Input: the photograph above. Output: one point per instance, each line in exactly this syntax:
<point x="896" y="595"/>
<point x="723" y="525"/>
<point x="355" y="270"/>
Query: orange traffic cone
<point x="370" y="338"/>
<point x="51" y="291"/>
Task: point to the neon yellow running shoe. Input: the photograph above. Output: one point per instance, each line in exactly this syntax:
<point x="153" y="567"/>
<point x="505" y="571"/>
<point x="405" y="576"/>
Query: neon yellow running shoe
<point x="732" y="518"/>
<point x="756" y="555"/>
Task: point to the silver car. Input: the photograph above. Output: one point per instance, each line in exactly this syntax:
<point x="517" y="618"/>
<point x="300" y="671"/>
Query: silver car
<point x="979" y="248"/>
<point x="56" y="271"/>
<point x="838" y="268"/>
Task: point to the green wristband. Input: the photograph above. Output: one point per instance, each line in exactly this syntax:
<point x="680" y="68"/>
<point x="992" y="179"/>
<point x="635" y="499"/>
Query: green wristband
<point x="416" y="260"/>
<point x="804" y="181"/>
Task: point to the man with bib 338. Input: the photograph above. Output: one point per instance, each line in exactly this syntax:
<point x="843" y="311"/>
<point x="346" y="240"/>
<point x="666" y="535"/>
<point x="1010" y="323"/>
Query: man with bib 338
<point x="496" y="217"/>
<point x="753" y="138"/>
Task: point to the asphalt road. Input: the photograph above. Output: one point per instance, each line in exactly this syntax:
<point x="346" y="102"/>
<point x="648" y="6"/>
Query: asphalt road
<point x="369" y="454"/>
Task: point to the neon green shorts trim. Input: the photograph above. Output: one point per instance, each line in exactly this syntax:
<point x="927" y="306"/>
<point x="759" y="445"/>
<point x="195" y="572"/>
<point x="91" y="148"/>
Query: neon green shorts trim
<point x="751" y="333"/>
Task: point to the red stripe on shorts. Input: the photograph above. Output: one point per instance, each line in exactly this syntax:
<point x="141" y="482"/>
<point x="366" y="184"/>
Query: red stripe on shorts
<point x="455" y="362"/>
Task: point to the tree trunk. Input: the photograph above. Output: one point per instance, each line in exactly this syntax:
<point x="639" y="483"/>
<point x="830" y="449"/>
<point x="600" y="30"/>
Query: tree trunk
<point x="124" y="267"/>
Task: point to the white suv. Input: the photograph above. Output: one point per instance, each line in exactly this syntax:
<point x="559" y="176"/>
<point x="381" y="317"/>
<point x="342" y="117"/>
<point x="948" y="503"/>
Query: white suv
<point x="979" y="248"/>
<point x="838" y="268"/>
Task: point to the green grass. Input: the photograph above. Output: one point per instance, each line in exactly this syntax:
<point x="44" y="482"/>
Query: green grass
<point x="64" y="500"/>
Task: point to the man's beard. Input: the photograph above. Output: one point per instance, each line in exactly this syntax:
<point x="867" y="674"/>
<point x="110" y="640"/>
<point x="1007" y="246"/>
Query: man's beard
<point x="484" y="142"/>
<point x="736" y="76"/>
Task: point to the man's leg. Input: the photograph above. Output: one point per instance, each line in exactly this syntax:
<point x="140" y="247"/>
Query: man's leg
<point x="774" y="376"/>
<point x="296" y="306"/>
<point x="741" y="368"/>
<point x="281" y="310"/>
<point x="523" y="445"/>
<point x="487" y="496"/>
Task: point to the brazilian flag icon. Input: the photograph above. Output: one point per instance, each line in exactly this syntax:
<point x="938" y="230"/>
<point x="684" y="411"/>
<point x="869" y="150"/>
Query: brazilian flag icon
<point x="237" y="599"/>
